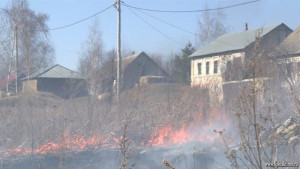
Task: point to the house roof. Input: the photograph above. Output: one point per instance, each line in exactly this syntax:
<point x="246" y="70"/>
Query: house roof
<point x="55" y="71"/>
<point x="126" y="61"/>
<point x="291" y="44"/>
<point x="232" y="42"/>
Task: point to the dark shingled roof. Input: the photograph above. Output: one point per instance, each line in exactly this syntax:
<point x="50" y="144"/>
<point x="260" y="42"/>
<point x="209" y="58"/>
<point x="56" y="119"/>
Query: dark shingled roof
<point x="127" y="60"/>
<point x="55" y="71"/>
<point x="291" y="45"/>
<point x="232" y="42"/>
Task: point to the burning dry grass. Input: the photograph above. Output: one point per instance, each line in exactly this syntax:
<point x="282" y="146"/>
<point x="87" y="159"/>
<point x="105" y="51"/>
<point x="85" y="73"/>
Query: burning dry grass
<point x="199" y="129"/>
<point x="157" y="116"/>
<point x="43" y="123"/>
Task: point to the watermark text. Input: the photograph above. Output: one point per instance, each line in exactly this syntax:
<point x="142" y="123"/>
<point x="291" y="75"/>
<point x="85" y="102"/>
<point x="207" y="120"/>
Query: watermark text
<point x="283" y="164"/>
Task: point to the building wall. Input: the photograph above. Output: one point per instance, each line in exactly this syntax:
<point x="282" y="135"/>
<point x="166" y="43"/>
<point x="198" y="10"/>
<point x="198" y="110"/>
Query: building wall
<point x="64" y="88"/>
<point x="271" y="40"/>
<point x="294" y="63"/>
<point x="205" y="79"/>
<point x="268" y="43"/>
<point x="212" y="81"/>
<point x="29" y="86"/>
<point x="235" y="90"/>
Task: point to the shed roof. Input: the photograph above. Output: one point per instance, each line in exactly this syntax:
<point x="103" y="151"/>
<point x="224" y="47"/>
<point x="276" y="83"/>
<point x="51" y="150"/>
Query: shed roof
<point x="291" y="44"/>
<point x="232" y="42"/>
<point x="127" y="60"/>
<point x="55" y="71"/>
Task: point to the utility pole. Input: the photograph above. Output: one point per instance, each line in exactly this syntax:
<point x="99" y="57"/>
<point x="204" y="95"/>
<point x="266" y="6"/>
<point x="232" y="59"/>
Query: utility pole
<point x="119" y="60"/>
<point x="16" y="50"/>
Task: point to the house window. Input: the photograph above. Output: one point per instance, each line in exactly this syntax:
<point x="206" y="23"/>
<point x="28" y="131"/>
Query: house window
<point x="199" y="68"/>
<point x="289" y="68"/>
<point x="228" y="66"/>
<point x="215" y="67"/>
<point x="228" y="71"/>
<point x="207" y="68"/>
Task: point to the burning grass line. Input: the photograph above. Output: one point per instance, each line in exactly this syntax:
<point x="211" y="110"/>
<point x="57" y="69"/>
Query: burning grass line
<point x="73" y="144"/>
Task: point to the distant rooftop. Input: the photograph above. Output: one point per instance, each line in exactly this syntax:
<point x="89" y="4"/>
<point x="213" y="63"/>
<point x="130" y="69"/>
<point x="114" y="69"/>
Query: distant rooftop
<point x="55" y="71"/>
<point x="127" y="60"/>
<point x="232" y="41"/>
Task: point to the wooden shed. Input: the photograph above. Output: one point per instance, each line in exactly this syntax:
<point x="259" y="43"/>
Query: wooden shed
<point x="56" y="79"/>
<point x="139" y="65"/>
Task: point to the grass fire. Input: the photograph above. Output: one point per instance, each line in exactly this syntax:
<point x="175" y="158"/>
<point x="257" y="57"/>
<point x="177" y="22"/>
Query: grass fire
<point x="192" y="132"/>
<point x="199" y="134"/>
<point x="226" y="95"/>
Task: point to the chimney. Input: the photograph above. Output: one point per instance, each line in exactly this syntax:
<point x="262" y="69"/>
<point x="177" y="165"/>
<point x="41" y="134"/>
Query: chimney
<point x="246" y="26"/>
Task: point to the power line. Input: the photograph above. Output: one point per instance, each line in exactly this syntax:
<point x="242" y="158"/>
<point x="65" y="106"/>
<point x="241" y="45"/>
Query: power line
<point x="154" y="27"/>
<point x="182" y="29"/>
<point x="82" y="20"/>
<point x="189" y="11"/>
<point x="74" y="23"/>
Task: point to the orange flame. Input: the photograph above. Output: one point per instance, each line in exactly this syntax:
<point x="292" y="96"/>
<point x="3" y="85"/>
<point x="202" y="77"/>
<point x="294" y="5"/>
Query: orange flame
<point x="72" y="143"/>
<point x="196" y="131"/>
<point x="199" y="130"/>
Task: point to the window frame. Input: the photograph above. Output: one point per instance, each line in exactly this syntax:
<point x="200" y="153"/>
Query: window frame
<point x="199" y="64"/>
<point x="207" y="67"/>
<point x="216" y="67"/>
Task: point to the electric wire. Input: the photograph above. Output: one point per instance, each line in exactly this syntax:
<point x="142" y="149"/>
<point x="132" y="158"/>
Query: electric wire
<point x="82" y="20"/>
<point x="165" y="35"/>
<point x="152" y="10"/>
<point x="162" y="21"/>
<point x="190" y="11"/>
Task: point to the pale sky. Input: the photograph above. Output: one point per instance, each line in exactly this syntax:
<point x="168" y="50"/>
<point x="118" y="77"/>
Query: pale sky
<point x="138" y="36"/>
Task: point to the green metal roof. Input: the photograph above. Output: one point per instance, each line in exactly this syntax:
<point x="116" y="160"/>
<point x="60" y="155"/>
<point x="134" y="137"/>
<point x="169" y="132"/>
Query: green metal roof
<point x="232" y="42"/>
<point x="56" y="71"/>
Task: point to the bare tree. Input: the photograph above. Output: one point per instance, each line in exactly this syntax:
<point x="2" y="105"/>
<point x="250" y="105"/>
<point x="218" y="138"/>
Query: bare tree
<point x="89" y="65"/>
<point x="289" y="72"/>
<point x="211" y="25"/>
<point x="34" y="46"/>
<point x="91" y="57"/>
<point x="259" y="106"/>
